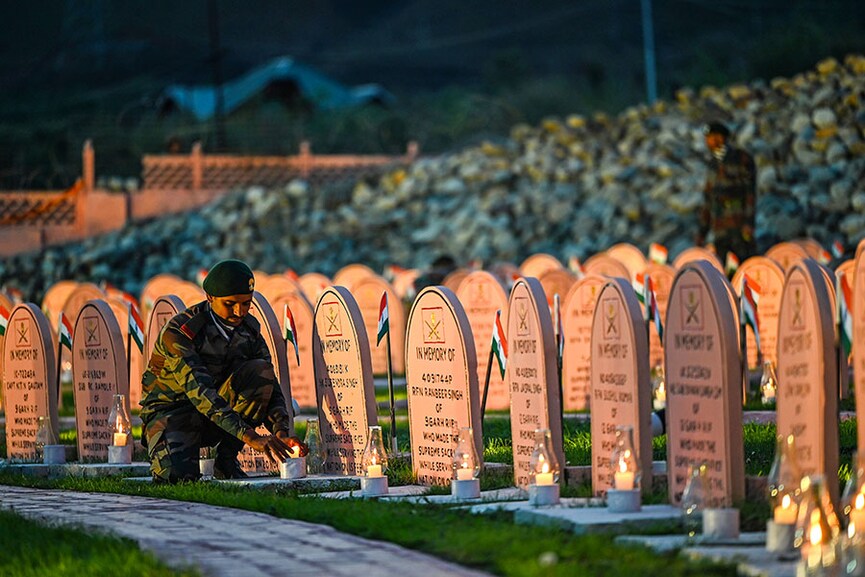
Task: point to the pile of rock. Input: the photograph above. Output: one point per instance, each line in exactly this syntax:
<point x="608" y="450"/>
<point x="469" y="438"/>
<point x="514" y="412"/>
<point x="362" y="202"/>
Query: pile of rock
<point x="569" y="186"/>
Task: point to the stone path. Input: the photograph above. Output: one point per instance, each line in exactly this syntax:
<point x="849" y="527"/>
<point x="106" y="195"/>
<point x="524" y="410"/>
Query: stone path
<point x="225" y="542"/>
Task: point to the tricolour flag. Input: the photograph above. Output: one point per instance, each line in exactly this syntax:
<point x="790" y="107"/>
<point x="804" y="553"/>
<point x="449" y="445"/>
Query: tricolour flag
<point x="825" y="257"/>
<point x="837" y="249"/>
<point x="290" y="331"/>
<point x="136" y="326"/>
<point x="732" y="264"/>
<point x="560" y="329"/>
<point x="750" y="298"/>
<point x="654" y="310"/>
<point x="846" y="306"/>
<point x="639" y="284"/>
<point x="500" y="344"/>
<point x="658" y="253"/>
<point x="65" y="328"/>
<point x="383" y="319"/>
<point x="4" y="320"/>
<point x="576" y="267"/>
<point x="201" y="275"/>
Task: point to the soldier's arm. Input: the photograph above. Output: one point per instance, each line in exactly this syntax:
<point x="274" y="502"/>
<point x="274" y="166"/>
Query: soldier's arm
<point x="278" y="416"/>
<point x="190" y="373"/>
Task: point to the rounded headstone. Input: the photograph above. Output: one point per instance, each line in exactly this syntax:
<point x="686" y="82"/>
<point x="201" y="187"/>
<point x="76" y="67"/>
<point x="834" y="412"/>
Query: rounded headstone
<point x="155" y="287"/>
<point x="29" y="379"/>
<point x="787" y="254"/>
<point x="120" y="308"/>
<point x="453" y="279"/>
<point x="343" y="380"/>
<point x="313" y="284"/>
<point x="578" y="309"/>
<point x="367" y="292"/>
<point x="770" y="276"/>
<point x="605" y="265"/>
<point x="441" y="383"/>
<point x="162" y="310"/>
<point x="481" y="295"/>
<point x="348" y="275"/>
<point x="303" y="374"/>
<point x="662" y="276"/>
<point x="537" y="264"/>
<point x="696" y="253"/>
<point x="557" y="281"/>
<point x="630" y="256"/>
<point x="54" y="299"/>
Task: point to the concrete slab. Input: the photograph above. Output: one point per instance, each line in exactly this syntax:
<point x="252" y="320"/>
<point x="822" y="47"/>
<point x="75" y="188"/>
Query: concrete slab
<point x="592" y="519"/>
<point x="135" y="469"/>
<point x="400" y="491"/>
<point x="496" y="495"/>
<point x="320" y="483"/>
<point x="748" y="552"/>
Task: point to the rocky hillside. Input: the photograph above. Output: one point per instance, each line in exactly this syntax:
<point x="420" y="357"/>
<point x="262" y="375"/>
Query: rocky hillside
<point x="570" y="186"/>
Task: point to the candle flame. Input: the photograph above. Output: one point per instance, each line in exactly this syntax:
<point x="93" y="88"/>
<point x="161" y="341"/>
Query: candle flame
<point x="545" y="468"/>
<point x="859" y="502"/>
<point x="815" y="533"/>
<point x="786" y="501"/>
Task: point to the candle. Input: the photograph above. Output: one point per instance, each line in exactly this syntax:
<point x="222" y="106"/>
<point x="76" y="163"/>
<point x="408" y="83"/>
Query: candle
<point x="543" y="479"/>
<point x="373" y="471"/>
<point x="465" y="474"/>
<point x="120" y="439"/>
<point x="857" y="520"/>
<point x="294" y="452"/>
<point x="623" y="480"/>
<point x="785" y="513"/>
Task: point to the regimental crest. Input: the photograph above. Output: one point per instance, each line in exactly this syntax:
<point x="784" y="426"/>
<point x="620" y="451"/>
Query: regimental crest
<point x="251" y="284"/>
<point x="797" y="319"/>
<point x="433" y="327"/>
<point x="92" y="337"/>
<point x="332" y="319"/>
<point x="522" y="307"/>
<point x="22" y="333"/>
<point x="610" y="308"/>
<point x="692" y="308"/>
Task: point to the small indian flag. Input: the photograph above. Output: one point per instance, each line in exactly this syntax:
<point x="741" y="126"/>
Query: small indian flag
<point x="837" y="249"/>
<point x="846" y="305"/>
<point x="658" y="253"/>
<point x="654" y="310"/>
<point x="4" y="320"/>
<point x="65" y="328"/>
<point x="732" y="264"/>
<point x="383" y="319"/>
<point x="639" y="284"/>
<point x="201" y="275"/>
<point x="824" y="257"/>
<point x="500" y="344"/>
<point x="576" y="267"/>
<point x="750" y="298"/>
<point x="290" y="331"/>
<point x="136" y="326"/>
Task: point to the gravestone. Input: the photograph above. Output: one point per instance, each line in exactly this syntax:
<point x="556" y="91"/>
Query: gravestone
<point x="620" y="383"/>
<point x="350" y="274"/>
<point x="630" y="256"/>
<point x="155" y="287"/>
<point x="481" y="295"/>
<point x="7" y="304"/>
<point x="812" y="247"/>
<point x="531" y="375"/>
<point x="343" y="380"/>
<point x="54" y="299"/>
<point x="313" y="284"/>
<point x="857" y="283"/>
<point x="303" y="375"/>
<point x="605" y="265"/>
<point x="662" y="279"/>
<point x="98" y="373"/>
<point x="83" y="293"/>
<point x="404" y="283"/>
<point x="537" y="264"/>
<point x="807" y="399"/>
<point x="120" y="308"/>
<point x="367" y="292"/>
<point x="695" y="253"/>
<point x="29" y="379"/>
<point x="441" y="384"/>
<point x="848" y="268"/>
<point x="162" y="310"/>
<point x="251" y="460"/>
<point x="786" y="254"/>
<point x="578" y="309"/>
<point x="556" y="281"/>
<point x="453" y="280"/>
<point x="770" y="276"/>
<point x="190" y="293"/>
<point x="704" y="384"/>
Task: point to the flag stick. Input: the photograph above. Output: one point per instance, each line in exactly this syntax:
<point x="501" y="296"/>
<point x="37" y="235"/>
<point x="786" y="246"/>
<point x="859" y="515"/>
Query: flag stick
<point x="559" y="352"/>
<point x="743" y="347"/>
<point x="647" y="313"/>
<point x="129" y="351"/>
<point x="59" y="369"/>
<point x="487" y="383"/>
<point x="839" y="345"/>
<point x="390" y="392"/>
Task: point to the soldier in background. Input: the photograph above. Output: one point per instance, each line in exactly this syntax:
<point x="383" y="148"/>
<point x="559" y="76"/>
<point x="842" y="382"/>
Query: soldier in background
<point x="727" y="217"/>
<point x="210" y="382"/>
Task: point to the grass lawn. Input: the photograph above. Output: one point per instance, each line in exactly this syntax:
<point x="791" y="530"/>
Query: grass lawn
<point x="31" y="549"/>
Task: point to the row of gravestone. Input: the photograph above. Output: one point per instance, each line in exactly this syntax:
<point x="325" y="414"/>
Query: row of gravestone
<point x="702" y="361"/>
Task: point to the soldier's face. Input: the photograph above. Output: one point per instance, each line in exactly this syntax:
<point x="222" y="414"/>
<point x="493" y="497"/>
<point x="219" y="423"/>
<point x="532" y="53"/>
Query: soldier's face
<point x="232" y="308"/>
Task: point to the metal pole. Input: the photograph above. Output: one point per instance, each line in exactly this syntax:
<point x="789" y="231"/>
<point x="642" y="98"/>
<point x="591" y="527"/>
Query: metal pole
<point x="390" y="390"/>
<point x="649" y="51"/>
<point x="486" y="385"/>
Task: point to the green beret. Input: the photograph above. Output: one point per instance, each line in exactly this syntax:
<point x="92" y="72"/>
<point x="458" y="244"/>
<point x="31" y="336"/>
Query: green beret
<point x="229" y="277"/>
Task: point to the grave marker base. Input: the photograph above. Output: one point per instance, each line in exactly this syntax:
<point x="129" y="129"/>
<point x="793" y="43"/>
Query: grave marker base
<point x="54" y="454"/>
<point x="119" y="455"/>
<point x="623" y="501"/>
<point x="543" y="495"/>
<point x="373" y="486"/>
<point x="293" y="468"/>
<point x="779" y="537"/>
<point x="721" y="523"/>
<point x="466" y="488"/>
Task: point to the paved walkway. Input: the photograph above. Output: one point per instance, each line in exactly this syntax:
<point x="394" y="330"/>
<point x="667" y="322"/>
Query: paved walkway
<point x="225" y="542"/>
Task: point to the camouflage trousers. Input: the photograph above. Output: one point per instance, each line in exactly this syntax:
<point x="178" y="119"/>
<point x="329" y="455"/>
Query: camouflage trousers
<point x="175" y="436"/>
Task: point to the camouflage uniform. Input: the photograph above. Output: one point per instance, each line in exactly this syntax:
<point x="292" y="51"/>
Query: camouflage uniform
<point x="201" y="389"/>
<point x="729" y="205"/>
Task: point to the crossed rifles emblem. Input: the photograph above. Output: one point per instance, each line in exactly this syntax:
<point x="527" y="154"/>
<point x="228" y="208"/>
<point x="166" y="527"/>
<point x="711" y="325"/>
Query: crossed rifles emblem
<point x="522" y="318"/>
<point x="692" y="306"/>
<point x="433" y="325"/>
<point x="23" y="337"/>
<point x="92" y="329"/>
<point x="797" y="309"/>
<point x="332" y="321"/>
<point x="611" y="320"/>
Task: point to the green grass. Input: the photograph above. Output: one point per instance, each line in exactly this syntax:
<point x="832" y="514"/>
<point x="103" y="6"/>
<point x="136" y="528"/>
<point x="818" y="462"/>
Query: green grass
<point x="31" y="549"/>
<point x="487" y="542"/>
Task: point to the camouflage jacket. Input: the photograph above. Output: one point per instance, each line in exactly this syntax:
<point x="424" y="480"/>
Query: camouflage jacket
<point x="729" y="203"/>
<point x="192" y="359"/>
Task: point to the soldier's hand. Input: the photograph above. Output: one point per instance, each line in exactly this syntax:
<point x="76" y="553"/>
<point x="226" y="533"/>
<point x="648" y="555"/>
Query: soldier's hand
<point x="293" y="443"/>
<point x="272" y="447"/>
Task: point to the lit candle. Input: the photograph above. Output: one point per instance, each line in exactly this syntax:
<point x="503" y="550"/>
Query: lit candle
<point x="623" y="480"/>
<point x="373" y="471"/>
<point x="857" y="514"/>
<point x="785" y="513"/>
<point x="465" y="474"/>
<point x="120" y="439"/>
<point x="543" y="479"/>
<point x="294" y="453"/>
